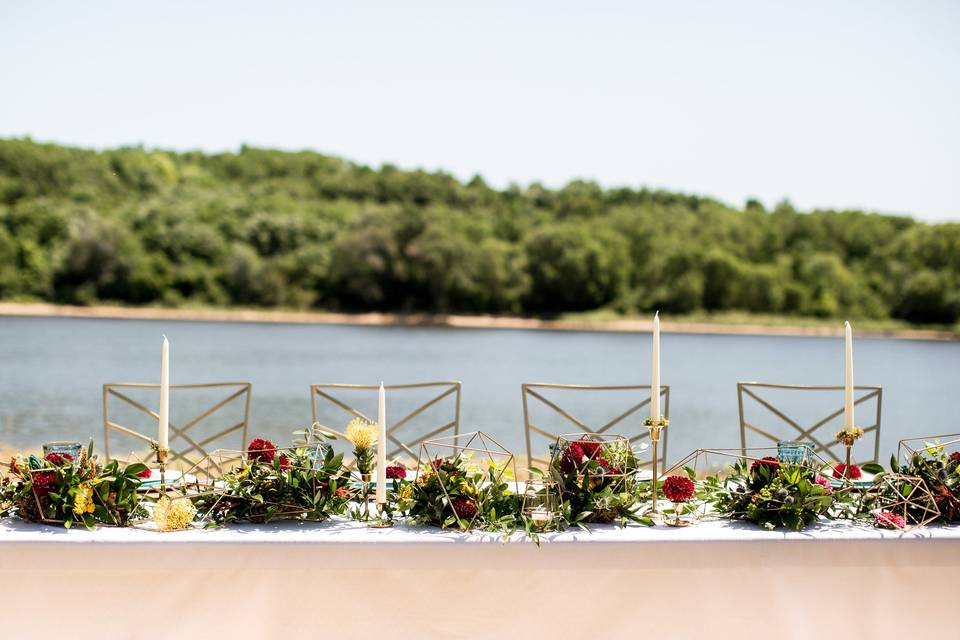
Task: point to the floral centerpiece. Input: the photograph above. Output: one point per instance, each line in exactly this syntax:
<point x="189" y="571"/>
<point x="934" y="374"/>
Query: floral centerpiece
<point x="771" y="493"/>
<point x="59" y="489"/>
<point x="940" y="472"/>
<point x="273" y="484"/>
<point x="456" y="492"/>
<point x="596" y="478"/>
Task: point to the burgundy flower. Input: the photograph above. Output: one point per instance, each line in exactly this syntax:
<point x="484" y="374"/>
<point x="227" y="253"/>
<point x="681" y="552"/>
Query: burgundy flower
<point x="59" y="459"/>
<point x="890" y="520"/>
<point x="607" y="469"/>
<point x="678" y="488"/>
<point x="853" y="472"/>
<point x="955" y="457"/>
<point x="260" y="450"/>
<point x="444" y="464"/>
<point x="823" y="482"/>
<point x="769" y="462"/>
<point x="590" y="449"/>
<point x="43" y="483"/>
<point x="284" y="462"/>
<point x="572" y="457"/>
<point x="464" y="508"/>
<point x="396" y="472"/>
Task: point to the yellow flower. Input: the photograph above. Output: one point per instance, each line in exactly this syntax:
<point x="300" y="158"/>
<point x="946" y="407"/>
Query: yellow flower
<point x="173" y="515"/>
<point x="83" y="500"/>
<point x="849" y="435"/>
<point x="406" y="492"/>
<point x="469" y="489"/>
<point x="361" y="433"/>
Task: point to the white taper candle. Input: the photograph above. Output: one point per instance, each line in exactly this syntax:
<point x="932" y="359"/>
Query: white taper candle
<point x="163" y="436"/>
<point x="655" y="373"/>
<point x="382" y="447"/>
<point x="848" y="420"/>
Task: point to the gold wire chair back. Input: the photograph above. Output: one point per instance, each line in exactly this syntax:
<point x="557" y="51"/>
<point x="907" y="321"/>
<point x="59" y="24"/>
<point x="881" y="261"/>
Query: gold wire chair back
<point x="630" y="401"/>
<point x="435" y="411"/>
<point x="191" y="441"/>
<point x="761" y="415"/>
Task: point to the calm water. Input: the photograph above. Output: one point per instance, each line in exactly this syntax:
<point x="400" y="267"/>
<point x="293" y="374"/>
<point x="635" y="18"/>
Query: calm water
<point x="52" y="372"/>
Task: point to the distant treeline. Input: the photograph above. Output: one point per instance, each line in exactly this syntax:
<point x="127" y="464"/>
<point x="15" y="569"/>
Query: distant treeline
<point x="276" y="229"/>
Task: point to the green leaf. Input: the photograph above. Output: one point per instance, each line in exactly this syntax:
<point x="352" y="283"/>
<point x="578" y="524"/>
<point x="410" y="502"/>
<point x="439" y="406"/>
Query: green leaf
<point x="135" y="469"/>
<point x="872" y="467"/>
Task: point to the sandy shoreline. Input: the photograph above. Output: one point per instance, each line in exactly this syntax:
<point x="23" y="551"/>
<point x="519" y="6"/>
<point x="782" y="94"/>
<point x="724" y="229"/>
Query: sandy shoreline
<point x="445" y="320"/>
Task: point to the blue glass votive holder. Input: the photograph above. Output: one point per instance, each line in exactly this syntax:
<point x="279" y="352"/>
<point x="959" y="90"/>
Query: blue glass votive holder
<point x="64" y="447"/>
<point x="793" y="452"/>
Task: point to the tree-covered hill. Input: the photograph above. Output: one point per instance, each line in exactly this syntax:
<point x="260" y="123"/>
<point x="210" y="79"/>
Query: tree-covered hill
<point x="304" y="230"/>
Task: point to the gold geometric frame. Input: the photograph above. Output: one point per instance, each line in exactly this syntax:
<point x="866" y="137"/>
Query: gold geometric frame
<point x="697" y="462"/>
<point x="239" y="391"/>
<point x="831" y="448"/>
<point x="463" y="446"/>
<point x="907" y="448"/>
<point x="906" y="496"/>
<point x="445" y="389"/>
<point x="531" y="390"/>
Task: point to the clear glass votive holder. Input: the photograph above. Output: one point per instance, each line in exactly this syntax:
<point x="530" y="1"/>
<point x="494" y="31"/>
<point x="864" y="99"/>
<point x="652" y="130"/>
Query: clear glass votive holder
<point x="63" y="447"/>
<point x="793" y="452"/>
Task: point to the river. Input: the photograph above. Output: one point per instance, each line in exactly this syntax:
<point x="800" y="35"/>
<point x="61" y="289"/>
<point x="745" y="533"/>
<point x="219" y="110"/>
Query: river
<point x="53" y="370"/>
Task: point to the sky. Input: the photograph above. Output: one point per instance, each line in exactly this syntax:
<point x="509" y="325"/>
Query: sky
<point x="828" y="104"/>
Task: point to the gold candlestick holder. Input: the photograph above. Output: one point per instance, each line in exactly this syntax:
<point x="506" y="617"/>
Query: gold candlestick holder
<point x="847" y="437"/>
<point x="365" y="495"/>
<point x="161" y="457"/>
<point x="382" y="521"/>
<point x="677" y="521"/>
<point x="655" y="426"/>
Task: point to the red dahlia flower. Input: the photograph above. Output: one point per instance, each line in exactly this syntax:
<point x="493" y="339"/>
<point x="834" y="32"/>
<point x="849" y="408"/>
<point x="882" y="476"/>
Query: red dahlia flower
<point x="590" y="449"/>
<point x="464" y="508"/>
<point x="572" y="457"/>
<point x="769" y="462"/>
<point x="396" y="472"/>
<point x="955" y="456"/>
<point x="890" y="520"/>
<point x="260" y="450"/>
<point x="284" y="462"/>
<point x="144" y="474"/>
<point x="59" y="459"/>
<point x="853" y="472"/>
<point x="43" y="483"/>
<point x="678" y="488"/>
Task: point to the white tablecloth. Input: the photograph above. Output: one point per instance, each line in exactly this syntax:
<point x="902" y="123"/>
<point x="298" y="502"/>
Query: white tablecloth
<point x="341" y="580"/>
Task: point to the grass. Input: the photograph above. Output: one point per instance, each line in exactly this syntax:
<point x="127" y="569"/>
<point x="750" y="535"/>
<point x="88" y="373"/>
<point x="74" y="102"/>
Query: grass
<point x="732" y="322"/>
<point x="742" y="318"/>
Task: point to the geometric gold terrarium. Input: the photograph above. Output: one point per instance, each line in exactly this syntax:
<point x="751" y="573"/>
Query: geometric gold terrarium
<point x="945" y="444"/>
<point x="905" y="496"/>
<point x="712" y="468"/>
<point x="607" y="458"/>
<point x="541" y="503"/>
<point x="442" y="460"/>
<point x="936" y="459"/>
<point x="592" y="472"/>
